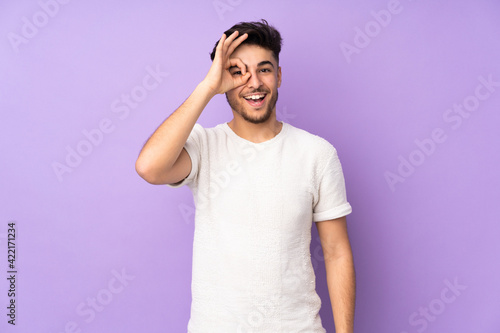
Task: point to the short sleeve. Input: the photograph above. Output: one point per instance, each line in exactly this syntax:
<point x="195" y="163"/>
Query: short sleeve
<point x="193" y="148"/>
<point x="331" y="192"/>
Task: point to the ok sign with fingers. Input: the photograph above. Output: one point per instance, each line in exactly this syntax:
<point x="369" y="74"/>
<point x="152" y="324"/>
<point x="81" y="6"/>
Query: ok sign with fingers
<point x="218" y="79"/>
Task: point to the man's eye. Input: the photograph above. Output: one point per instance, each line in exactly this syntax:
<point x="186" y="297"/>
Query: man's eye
<point x="237" y="73"/>
<point x="266" y="70"/>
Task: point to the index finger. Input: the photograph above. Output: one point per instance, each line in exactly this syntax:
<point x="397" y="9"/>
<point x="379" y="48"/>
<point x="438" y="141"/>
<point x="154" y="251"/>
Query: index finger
<point x="238" y="63"/>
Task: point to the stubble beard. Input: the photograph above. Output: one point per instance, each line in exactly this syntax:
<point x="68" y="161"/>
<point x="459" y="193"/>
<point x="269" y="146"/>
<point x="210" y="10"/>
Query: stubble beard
<point x="240" y="109"/>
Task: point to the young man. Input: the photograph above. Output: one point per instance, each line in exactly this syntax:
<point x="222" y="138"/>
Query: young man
<point x="258" y="184"/>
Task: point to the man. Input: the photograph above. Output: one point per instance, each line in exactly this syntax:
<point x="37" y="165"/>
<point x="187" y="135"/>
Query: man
<point x="258" y="184"/>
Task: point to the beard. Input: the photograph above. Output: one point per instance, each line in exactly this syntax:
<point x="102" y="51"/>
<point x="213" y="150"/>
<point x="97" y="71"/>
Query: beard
<point x="239" y="108"/>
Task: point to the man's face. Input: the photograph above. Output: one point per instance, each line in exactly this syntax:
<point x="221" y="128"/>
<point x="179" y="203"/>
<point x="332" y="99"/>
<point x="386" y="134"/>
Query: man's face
<point x="263" y="84"/>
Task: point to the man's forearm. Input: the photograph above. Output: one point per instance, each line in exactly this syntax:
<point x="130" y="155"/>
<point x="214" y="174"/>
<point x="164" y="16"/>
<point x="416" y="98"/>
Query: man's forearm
<point x="341" y="282"/>
<point x="164" y="146"/>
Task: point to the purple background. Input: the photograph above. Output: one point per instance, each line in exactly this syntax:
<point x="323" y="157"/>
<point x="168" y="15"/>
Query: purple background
<point x="75" y="230"/>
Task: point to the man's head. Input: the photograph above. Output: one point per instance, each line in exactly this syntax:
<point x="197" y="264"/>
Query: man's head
<point x="259" y="52"/>
<point x="259" y="33"/>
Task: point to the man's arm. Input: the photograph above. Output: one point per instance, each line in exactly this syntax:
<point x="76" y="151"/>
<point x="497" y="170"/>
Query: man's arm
<point x="340" y="273"/>
<point x="162" y="159"/>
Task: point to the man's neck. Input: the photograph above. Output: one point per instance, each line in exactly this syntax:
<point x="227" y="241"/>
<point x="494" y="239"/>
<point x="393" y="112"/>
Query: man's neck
<point x="256" y="133"/>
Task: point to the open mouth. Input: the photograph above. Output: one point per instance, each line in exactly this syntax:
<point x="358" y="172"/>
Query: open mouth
<point x="255" y="100"/>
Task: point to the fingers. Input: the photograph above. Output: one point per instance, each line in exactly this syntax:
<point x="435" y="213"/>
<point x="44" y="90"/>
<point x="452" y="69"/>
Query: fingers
<point x="237" y="62"/>
<point x="221" y="42"/>
<point x="243" y="79"/>
<point x="231" y="37"/>
<point x="236" y="43"/>
<point x="229" y="44"/>
<point x="222" y="61"/>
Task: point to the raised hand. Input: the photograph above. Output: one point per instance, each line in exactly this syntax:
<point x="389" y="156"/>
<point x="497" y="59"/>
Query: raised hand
<point x="219" y="79"/>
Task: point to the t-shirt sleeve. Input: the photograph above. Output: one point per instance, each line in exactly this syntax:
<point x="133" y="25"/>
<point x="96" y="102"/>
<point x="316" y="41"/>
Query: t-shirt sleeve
<point x="193" y="148"/>
<point x="331" y="192"/>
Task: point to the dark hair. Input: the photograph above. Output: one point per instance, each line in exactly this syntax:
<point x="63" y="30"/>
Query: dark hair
<point x="259" y="33"/>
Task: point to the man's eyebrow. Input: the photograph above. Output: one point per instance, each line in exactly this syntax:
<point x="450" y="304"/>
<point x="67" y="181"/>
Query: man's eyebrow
<point x="262" y="63"/>
<point x="265" y="62"/>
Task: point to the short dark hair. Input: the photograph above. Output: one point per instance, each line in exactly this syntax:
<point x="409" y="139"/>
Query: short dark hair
<point x="259" y="33"/>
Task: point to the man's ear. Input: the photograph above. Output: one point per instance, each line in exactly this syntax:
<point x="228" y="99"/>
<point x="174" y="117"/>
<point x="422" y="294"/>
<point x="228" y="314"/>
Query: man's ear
<point x="279" y="76"/>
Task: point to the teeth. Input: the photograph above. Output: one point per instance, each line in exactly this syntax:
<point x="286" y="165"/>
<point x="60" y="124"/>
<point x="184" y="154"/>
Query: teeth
<point x="255" y="97"/>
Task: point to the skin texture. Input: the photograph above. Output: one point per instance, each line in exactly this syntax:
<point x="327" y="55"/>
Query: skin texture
<point x="236" y="72"/>
<point x="340" y="274"/>
<point x="255" y="124"/>
<point x="265" y="78"/>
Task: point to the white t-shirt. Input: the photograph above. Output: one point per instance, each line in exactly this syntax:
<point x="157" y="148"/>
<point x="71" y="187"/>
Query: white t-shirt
<point x="255" y="204"/>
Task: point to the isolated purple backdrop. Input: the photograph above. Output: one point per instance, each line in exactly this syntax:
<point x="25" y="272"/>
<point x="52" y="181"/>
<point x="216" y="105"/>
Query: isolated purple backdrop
<point x="425" y="215"/>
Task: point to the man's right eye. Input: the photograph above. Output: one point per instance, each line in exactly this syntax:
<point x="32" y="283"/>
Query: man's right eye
<point x="236" y="73"/>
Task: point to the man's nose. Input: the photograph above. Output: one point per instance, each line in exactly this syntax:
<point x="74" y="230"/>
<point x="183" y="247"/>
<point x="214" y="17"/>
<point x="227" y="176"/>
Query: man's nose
<point x="254" y="81"/>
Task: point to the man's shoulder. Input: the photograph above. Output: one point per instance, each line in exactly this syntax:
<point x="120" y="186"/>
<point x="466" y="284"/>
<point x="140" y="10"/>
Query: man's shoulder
<point x="310" y="140"/>
<point x="201" y="130"/>
<point x="199" y="127"/>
